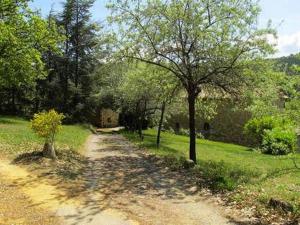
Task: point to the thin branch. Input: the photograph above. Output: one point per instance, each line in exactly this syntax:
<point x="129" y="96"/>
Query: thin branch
<point x="222" y="69"/>
<point x="148" y="36"/>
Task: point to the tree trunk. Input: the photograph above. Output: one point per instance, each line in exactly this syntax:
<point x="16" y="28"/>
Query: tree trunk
<point x="66" y="89"/>
<point x="36" y="99"/>
<point x="163" y="107"/>
<point x="49" y="151"/>
<point x="136" y="120"/>
<point x="77" y="46"/>
<point x="66" y="72"/>
<point x="191" y="101"/>
<point x="13" y="108"/>
<point x="141" y="128"/>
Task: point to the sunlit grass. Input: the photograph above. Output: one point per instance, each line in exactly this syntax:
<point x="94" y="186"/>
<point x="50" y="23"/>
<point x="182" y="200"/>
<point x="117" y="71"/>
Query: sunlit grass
<point x="16" y="137"/>
<point x="278" y="176"/>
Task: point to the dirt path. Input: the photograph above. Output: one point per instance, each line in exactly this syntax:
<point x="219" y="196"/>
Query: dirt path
<point x="132" y="182"/>
<point x="123" y="186"/>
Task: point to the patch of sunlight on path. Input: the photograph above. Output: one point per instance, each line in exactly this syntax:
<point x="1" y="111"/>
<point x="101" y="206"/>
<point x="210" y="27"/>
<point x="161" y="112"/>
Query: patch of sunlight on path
<point x="52" y="199"/>
<point x="42" y="194"/>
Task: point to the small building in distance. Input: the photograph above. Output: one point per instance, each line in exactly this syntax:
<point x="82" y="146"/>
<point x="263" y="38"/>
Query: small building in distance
<point x="108" y="118"/>
<point x="227" y="125"/>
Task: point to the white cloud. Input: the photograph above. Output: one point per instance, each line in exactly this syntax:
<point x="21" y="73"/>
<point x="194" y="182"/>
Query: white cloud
<point x="286" y="44"/>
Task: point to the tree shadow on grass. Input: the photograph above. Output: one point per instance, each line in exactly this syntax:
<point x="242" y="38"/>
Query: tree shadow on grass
<point x="281" y="172"/>
<point x="10" y="120"/>
<point x="6" y="121"/>
<point x="28" y="158"/>
<point x="69" y="164"/>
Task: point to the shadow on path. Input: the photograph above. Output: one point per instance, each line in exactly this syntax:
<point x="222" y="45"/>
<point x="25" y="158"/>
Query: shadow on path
<point x="120" y="184"/>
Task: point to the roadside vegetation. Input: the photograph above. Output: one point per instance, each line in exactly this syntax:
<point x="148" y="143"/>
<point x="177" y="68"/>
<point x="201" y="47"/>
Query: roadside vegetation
<point x="19" y="143"/>
<point x="254" y="178"/>
<point x="16" y="137"/>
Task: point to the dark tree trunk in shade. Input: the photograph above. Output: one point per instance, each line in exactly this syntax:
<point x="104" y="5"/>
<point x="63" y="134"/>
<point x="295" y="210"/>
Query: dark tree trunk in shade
<point x="141" y="128"/>
<point x="13" y="107"/>
<point x="191" y="101"/>
<point x="163" y="107"/>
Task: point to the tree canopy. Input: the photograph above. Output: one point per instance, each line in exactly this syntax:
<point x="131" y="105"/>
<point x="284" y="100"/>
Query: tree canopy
<point x="202" y="43"/>
<point x="25" y="36"/>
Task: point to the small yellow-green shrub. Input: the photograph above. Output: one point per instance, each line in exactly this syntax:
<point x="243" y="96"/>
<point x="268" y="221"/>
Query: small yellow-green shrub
<point x="47" y="125"/>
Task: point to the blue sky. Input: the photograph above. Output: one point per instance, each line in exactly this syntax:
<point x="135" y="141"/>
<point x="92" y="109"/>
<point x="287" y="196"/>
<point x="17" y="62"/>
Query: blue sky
<point x="285" y="15"/>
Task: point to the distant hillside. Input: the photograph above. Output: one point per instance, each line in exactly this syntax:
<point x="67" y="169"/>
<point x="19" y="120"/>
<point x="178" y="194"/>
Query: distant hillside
<point x="285" y="63"/>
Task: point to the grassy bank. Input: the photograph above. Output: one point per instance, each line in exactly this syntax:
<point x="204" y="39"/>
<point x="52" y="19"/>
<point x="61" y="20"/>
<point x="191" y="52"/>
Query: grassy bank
<point x="20" y="145"/>
<point x="255" y="177"/>
<point x="16" y="137"/>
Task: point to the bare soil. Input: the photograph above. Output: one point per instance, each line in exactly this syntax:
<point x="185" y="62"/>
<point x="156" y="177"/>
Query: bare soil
<point x="17" y="208"/>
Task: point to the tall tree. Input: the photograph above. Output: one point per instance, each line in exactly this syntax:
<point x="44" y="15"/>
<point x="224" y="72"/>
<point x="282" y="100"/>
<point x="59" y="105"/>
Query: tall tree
<point x="24" y="38"/>
<point x="201" y="42"/>
<point x="72" y="73"/>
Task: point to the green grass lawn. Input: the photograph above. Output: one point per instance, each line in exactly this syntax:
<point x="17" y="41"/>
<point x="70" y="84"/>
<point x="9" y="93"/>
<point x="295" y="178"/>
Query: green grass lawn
<point x="16" y="137"/>
<point x="276" y="175"/>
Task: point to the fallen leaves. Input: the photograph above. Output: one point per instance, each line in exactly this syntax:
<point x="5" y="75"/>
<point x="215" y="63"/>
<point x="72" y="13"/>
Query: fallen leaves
<point x="16" y="208"/>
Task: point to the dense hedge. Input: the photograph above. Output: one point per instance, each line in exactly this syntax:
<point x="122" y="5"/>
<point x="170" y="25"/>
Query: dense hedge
<point x="274" y="135"/>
